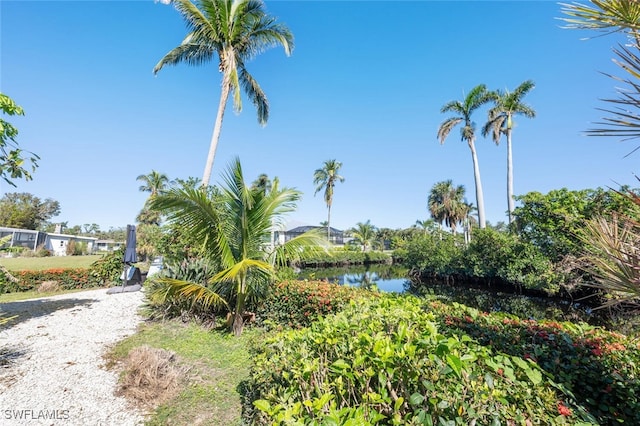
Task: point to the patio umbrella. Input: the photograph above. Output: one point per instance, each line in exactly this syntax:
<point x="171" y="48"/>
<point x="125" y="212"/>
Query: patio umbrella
<point x="130" y="255"/>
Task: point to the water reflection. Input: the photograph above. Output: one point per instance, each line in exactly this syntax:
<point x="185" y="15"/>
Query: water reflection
<point x="388" y="278"/>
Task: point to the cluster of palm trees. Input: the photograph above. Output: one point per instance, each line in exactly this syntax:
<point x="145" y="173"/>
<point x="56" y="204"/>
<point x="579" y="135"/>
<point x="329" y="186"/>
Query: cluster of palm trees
<point x="505" y="106"/>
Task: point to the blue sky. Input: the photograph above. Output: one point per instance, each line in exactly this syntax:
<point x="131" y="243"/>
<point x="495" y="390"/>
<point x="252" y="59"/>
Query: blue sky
<point x="364" y="85"/>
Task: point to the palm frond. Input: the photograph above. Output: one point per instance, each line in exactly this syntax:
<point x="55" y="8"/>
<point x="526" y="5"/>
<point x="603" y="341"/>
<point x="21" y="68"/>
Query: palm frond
<point x="446" y="127"/>
<point x="255" y="94"/>
<point x="612" y="252"/>
<point x="194" y="292"/>
<point x="310" y="243"/>
<point x="241" y="268"/>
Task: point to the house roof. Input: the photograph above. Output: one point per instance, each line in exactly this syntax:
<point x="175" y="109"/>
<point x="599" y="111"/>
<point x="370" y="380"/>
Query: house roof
<point x="303" y="229"/>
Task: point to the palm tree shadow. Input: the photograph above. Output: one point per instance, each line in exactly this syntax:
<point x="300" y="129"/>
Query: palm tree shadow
<point x="25" y="310"/>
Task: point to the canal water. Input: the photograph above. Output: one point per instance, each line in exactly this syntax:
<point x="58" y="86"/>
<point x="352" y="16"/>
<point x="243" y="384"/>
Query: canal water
<point x="394" y="278"/>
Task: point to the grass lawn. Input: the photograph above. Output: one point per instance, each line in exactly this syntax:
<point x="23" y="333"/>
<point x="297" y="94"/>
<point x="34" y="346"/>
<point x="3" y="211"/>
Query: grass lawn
<point x="217" y="363"/>
<point x="51" y="262"/>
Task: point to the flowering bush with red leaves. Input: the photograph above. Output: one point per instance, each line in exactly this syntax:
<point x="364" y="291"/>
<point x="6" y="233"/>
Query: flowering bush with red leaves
<point x="66" y="278"/>
<point x="601" y="368"/>
<point x="298" y="303"/>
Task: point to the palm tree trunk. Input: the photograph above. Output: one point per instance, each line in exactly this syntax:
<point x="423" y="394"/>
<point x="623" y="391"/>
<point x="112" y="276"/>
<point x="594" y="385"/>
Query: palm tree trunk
<point x="224" y="95"/>
<point x="329" y="222"/>
<point x="238" y="319"/>
<point x="476" y="176"/>
<point x="510" y="202"/>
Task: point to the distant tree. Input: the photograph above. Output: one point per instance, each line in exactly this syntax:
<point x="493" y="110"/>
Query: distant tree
<point x="190" y="182"/>
<point x="446" y="204"/>
<point x="91" y="229"/>
<point x="26" y="211"/>
<point x="463" y="111"/>
<point x="235" y="31"/>
<point x="155" y="183"/>
<point x="262" y="183"/>
<point x="12" y="157"/>
<point x="365" y="234"/>
<point x="506" y="105"/>
<point x="553" y="221"/>
<point x="326" y="178"/>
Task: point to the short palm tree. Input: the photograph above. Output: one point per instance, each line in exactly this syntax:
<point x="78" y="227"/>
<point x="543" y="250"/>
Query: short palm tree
<point x="155" y="183"/>
<point x="235" y="31"/>
<point x="506" y="105"/>
<point x="365" y="233"/>
<point x="463" y="110"/>
<point x="234" y="228"/>
<point x="446" y="203"/>
<point x="326" y="178"/>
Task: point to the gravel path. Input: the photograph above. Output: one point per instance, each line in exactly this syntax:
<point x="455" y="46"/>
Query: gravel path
<point x="55" y="374"/>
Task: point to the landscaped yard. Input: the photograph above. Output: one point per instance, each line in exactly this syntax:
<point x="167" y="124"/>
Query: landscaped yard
<point x="49" y="262"/>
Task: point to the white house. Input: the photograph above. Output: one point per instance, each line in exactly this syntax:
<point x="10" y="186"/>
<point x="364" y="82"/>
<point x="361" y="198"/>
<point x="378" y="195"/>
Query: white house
<point x="56" y="243"/>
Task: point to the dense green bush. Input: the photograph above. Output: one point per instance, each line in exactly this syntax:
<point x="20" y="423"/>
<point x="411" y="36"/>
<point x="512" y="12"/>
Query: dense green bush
<point x="298" y="303"/>
<point x="492" y="257"/>
<point x="435" y="256"/>
<point x="601" y="368"/>
<point x="108" y="268"/>
<point x="383" y="361"/>
<point x="164" y="303"/>
<point x="342" y="256"/>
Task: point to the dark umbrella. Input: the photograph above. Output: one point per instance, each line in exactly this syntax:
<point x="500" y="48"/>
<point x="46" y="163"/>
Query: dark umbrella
<point x="130" y="255"/>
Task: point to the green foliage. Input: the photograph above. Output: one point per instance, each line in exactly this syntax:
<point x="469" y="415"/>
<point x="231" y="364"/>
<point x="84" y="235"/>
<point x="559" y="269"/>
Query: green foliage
<point x="384" y="361"/>
<point x="26" y="211"/>
<point x="600" y="368"/>
<point x="163" y="301"/>
<point x="435" y="256"/>
<point x="341" y="256"/>
<point x="491" y="257"/>
<point x="495" y="255"/>
<point x="298" y="303"/>
<point x="76" y="248"/>
<point x="553" y="221"/>
<point x="108" y="269"/>
<point x="12" y="157"/>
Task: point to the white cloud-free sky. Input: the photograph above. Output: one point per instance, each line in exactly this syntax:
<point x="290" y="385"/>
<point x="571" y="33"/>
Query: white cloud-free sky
<point x="364" y="85"/>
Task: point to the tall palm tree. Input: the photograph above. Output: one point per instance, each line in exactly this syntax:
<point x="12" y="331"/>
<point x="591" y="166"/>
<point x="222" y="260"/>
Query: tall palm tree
<point x="235" y="31"/>
<point x="463" y="110"/>
<point x="506" y="105"/>
<point x="446" y="203"/>
<point x="155" y="183"/>
<point x="233" y="228"/>
<point x="365" y="233"/>
<point x="326" y="178"/>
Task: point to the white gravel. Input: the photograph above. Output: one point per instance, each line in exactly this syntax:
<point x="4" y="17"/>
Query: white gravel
<point x="56" y="375"/>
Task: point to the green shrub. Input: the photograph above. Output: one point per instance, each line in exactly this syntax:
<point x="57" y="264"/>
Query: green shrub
<point x="342" y="256"/>
<point x="383" y="361"/>
<point x="108" y="269"/>
<point x="435" y="256"/>
<point x="163" y="303"/>
<point x="601" y="368"/>
<point x="298" y="303"/>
